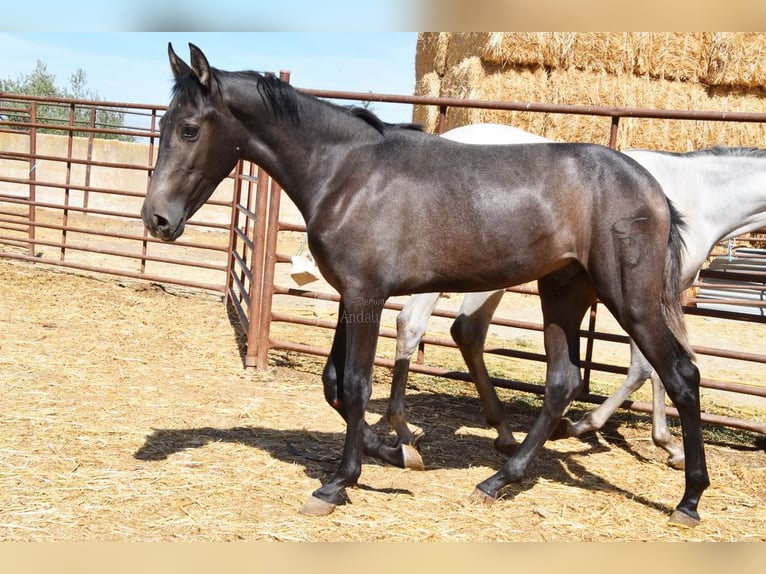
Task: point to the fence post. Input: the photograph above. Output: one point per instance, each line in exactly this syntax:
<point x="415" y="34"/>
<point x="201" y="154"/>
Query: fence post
<point x="254" y="343"/>
<point x="145" y="231"/>
<point x="269" y="265"/>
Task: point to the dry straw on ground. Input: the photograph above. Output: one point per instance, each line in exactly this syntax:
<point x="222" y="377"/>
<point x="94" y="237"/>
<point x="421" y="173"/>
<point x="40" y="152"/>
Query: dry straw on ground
<point x="127" y="416"/>
<point x="659" y="70"/>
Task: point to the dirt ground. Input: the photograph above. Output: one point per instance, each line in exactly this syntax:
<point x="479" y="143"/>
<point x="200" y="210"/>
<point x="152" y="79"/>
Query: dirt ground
<point x="127" y="416"/>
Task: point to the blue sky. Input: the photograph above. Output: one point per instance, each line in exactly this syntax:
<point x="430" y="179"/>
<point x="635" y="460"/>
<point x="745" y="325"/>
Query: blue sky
<point x="217" y="15"/>
<point x="133" y="66"/>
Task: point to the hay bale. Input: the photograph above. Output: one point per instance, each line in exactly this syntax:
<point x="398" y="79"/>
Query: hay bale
<point x="431" y="53"/>
<point x="520" y="84"/>
<point x="608" y="52"/>
<point x="600" y="89"/>
<point x="463" y="45"/>
<point x="671" y="55"/>
<point x="463" y="80"/>
<point x="428" y="116"/>
<point x="677" y="71"/>
<point x="547" y="49"/>
<point x="733" y="99"/>
<point x="736" y="59"/>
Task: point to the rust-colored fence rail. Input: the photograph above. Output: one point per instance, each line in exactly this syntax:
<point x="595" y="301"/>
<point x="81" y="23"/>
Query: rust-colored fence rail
<point x="71" y="187"/>
<point x="318" y="323"/>
<point x="79" y="208"/>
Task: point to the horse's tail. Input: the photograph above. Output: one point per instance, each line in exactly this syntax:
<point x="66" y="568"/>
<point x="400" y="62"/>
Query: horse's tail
<point x="672" y="309"/>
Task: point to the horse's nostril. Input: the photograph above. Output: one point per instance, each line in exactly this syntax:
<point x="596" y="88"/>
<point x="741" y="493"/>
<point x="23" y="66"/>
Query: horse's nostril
<point x="161" y="223"/>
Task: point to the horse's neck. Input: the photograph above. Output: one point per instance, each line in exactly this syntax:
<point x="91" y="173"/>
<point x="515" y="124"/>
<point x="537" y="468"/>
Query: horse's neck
<point x="730" y="195"/>
<point x="719" y="196"/>
<point x="301" y="154"/>
<point x="723" y="194"/>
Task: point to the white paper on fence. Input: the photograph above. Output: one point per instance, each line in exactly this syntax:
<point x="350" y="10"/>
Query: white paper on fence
<point x="303" y="270"/>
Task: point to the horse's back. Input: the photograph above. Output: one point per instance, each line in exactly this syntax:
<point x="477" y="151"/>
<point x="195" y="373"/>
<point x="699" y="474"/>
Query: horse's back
<point x="489" y="216"/>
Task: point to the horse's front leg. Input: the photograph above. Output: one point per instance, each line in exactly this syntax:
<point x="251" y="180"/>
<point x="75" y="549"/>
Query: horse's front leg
<point x="564" y="306"/>
<point x="410" y="327"/>
<point x="357" y="335"/>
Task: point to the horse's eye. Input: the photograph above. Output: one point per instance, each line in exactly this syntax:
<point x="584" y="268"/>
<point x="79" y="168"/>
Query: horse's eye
<point x="189" y="132"/>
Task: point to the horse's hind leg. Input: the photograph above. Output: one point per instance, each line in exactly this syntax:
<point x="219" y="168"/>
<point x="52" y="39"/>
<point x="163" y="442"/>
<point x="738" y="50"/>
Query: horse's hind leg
<point x="680" y="376"/>
<point x="564" y="304"/>
<point x="470" y="333"/>
<point x="410" y="327"/>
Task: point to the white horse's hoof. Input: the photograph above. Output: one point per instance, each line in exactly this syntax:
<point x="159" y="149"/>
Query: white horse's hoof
<point x="317" y="507"/>
<point x="677" y="462"/>
<point x="412" y="458"/>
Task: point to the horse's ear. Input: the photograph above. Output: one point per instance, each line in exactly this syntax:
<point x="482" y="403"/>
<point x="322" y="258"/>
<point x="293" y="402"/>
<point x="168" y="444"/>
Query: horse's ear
<point x="179" y="67"/>
<point x="200" y="66"/>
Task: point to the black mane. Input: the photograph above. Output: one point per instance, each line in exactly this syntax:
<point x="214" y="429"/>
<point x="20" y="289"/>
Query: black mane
<point x="721" y="151"/>
<point x="281" y="98"/>
<point x="373" y="120"/>
<point x="279" y="95"/>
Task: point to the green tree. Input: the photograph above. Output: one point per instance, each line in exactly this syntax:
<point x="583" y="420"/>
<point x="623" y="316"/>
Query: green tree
<point x="40" y="82"/>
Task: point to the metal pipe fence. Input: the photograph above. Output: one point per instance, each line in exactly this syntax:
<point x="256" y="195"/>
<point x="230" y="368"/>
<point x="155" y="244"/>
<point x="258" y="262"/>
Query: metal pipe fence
<point x="70" y="197"/>
<point x="73" y="175"/>
<point x="593" y="336"/>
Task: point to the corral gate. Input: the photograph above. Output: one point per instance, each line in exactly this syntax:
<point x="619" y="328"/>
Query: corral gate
<point x="52" y="216"/>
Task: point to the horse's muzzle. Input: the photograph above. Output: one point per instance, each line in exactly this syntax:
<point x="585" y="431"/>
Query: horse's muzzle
<point x="160" y="226"/>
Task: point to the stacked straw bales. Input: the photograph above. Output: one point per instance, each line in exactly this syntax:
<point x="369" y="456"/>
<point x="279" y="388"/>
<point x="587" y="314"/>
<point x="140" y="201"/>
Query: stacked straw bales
<point x="701" y="71"/>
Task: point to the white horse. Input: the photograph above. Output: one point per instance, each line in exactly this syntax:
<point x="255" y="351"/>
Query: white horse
<point x="721" y="192"/>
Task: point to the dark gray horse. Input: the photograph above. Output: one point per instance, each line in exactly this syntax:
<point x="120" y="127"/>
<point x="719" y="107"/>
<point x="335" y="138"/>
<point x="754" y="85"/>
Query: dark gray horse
<point x="391" y="210"/>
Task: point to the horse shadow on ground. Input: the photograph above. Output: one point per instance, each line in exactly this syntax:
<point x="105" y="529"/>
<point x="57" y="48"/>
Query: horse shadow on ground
<point x="444" y="445"/>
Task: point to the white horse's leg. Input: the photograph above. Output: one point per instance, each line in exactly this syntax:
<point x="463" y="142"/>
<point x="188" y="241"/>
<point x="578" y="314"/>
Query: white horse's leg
<point x="410" y="326"/>
<point x="470" y="332"/>
<point x="660" y="433"/>
<point x="638" y="371"/>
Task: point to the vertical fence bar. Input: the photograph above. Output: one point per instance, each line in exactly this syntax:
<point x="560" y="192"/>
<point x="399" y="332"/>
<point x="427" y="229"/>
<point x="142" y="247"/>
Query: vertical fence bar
<point x="589" y="344"/>
<point x="269" y="265"/>
<point x="67" y="183"/>
<point x="236" y="195"/>
<point x="442" y="120"/>
<point x="91" y="136"/>
<point x="256" y="284"/>
<point x="32" y="176"/>
<point x="150" y="162"/>
<point x="614" y="126"/>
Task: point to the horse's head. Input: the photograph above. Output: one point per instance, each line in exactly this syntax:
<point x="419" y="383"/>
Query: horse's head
<point x="200" y="142"/>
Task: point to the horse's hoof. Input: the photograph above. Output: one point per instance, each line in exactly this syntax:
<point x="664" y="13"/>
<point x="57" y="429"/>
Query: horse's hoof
<point x="565" y="429"/>
<point x="317" y="507"/>
<point x="480" y="497"/>
<point x="677" y="462"/>
<point x="683" y="519"/>
<point x="412" y="458"/>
